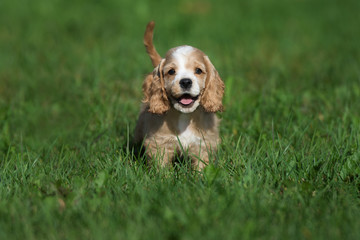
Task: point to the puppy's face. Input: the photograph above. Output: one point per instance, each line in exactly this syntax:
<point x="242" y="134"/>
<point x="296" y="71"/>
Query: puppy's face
<point x="184" y="80"/>
<point x="184" y="72"/>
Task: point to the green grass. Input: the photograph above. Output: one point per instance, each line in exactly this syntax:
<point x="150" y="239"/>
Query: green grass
<point x="70" y="91"/>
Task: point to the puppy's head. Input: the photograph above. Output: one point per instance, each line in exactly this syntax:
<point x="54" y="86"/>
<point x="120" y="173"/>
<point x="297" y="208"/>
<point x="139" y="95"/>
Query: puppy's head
<point x="184" y="80"/>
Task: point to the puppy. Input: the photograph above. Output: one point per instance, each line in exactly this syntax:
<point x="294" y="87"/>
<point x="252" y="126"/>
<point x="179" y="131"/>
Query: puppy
<point x="181" y="97"/>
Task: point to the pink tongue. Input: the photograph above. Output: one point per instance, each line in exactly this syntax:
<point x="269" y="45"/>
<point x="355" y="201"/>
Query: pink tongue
<point x="186" y="101"/>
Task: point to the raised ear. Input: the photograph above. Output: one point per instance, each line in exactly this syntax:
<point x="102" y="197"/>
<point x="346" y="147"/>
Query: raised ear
<point x="154" y="91"/>
<point x="211" y="98"/>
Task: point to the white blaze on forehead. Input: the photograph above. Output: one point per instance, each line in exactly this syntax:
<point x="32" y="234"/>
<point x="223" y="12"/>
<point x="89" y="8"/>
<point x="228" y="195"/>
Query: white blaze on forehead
<point x="183" y="50"/>
<point x="181" y="55"/>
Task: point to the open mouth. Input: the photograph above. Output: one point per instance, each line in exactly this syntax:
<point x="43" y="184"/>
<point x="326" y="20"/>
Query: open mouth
<point x="187" y="100"/>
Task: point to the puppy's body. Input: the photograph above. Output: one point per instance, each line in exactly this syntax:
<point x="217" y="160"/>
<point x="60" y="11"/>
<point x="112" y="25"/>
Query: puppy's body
<point x="169" y="134"/>
<point x="181" y="98"/>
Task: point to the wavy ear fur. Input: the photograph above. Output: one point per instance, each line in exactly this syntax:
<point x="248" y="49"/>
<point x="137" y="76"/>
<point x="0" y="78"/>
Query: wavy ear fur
<point x="211" y="98"/>
<point x="154" y="91"/>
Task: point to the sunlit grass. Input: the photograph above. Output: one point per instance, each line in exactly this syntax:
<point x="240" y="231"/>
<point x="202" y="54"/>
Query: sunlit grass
<point x="70" y="91"/>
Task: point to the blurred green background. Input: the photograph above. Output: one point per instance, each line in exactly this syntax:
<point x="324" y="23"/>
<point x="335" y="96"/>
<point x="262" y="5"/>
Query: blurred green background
<point x="70" y="92"/>
<point x="70" y="70"/>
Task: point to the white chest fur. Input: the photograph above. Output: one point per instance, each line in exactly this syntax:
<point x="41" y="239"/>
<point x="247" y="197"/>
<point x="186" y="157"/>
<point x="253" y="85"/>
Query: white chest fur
<point x="186" y="135"/>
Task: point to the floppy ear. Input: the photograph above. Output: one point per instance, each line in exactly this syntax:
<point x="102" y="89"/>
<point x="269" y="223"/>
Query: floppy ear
<point x="211" y="98"/>
<point x="154" y="91"/>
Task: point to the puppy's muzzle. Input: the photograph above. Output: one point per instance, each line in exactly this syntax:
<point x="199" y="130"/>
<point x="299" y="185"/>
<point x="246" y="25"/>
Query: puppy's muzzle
<point x="185" y="83"/>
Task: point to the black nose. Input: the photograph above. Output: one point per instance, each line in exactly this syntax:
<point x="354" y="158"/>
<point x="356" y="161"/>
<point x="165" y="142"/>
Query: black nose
<point x="185" y="83"/>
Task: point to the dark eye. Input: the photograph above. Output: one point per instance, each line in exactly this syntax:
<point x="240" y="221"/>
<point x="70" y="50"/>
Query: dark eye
<point x="198" y="71"/>
<point x="171" y="72"/>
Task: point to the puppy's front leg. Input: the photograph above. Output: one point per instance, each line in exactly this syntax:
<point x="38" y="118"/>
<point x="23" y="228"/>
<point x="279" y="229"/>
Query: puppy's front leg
<point x="199" y="156"/>
<point x="160" y="155"/>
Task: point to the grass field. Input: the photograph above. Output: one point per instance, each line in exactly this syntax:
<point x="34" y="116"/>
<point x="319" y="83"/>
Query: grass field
<point x="70" y="90"/>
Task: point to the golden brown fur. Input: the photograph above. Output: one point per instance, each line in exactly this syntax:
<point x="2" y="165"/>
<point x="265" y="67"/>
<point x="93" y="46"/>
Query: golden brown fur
<point x="176" y="118"/>
<point x="148" y="42"/>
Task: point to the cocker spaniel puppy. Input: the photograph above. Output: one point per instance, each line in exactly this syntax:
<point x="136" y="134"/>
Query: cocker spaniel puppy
<point x="181" y="97"/>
